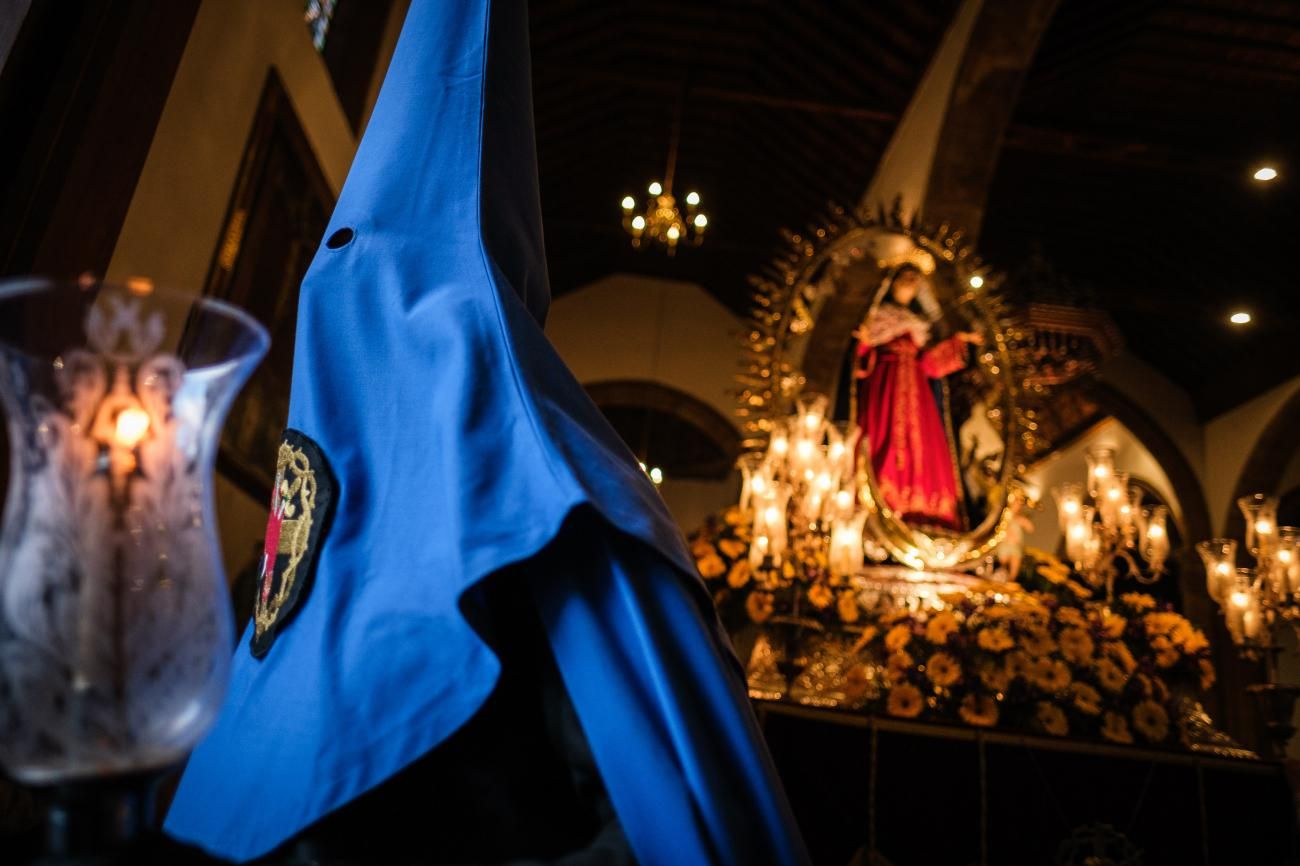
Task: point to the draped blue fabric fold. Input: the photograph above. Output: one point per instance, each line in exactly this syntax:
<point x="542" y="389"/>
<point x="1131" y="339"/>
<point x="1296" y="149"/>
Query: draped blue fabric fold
<point x="461" y="444"/>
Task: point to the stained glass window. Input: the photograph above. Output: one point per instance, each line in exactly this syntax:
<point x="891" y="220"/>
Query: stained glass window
<point x="318" y="15"/>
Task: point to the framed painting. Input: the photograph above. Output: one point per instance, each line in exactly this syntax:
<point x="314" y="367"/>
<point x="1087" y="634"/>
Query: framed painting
<point x="276" y="218"/>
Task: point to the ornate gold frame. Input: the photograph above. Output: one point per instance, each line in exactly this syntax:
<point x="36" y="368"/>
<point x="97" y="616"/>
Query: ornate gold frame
<point x="789" y="297"/>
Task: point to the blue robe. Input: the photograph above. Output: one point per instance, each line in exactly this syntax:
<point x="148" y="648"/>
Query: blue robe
<point x="460" y="445"/>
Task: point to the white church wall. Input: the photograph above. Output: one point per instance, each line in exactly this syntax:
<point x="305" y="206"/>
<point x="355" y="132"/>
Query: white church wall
<point x="626" y="326"/>
<point x="176" y="213"/>
<point x="629" y="327"/>
<point x="1163" y="401"/>
<point x="1069" y="464"/>
<point x="1230" y="439"/>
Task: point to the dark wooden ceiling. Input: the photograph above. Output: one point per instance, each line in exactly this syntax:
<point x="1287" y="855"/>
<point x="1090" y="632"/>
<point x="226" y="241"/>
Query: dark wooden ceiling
<point x="788" y="105"/>
<point x="1127" y="166"/>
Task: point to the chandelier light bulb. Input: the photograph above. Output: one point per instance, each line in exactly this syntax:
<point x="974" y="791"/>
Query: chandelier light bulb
<point x="976" y="281"/>
<point x="701" y="220"/>
<point x="692" y="198"/>
<point x="1240" y="599"/>
<point x="638" y="222"/>
<point x="656" y="475"/>
<point x="628" y="202"/>
<point x="1265" y="173"/>
<point x="673" y="233"/>
<point x="656" y="188"/>
<point x="1240" y="318"/>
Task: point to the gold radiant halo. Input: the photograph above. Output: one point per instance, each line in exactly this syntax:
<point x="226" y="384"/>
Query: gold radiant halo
<point x="792" y="291"/>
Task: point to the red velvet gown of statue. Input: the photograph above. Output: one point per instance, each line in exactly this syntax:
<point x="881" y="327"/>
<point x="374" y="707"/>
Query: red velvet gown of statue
<point x="910" y="453"/>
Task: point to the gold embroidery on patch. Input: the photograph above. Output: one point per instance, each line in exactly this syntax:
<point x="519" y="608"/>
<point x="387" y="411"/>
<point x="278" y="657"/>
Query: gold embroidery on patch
<point x="296" y="483"/>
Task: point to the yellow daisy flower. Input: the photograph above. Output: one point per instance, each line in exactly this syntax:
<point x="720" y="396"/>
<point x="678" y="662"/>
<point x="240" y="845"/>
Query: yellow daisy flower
<point x="940" y="627"/>
<point x="943" y="670"/>
<point x="996" y="639"/>
<point x="1079" y="590"/>
<point x="1151" y="721"/>
<point x="1050" y="675"/>
<point x="711" y="565"/>
<point x="759" y="606"/>
<point x="820" y="595"/>
<point x="898" y="637"/>
<point x="1195" y="642"/>
<point x="995" y="677"/>
<point x="904" y="701"/>
<point x="1111" y="676"/>
<point x="1070" y="616"/>
<point x="1052" y="720"/>
<point x="1037" y="642"/>
<point x="738" y="576"/>
<point x="1112" y="625"/>
<point x="732" y="549"/>
<point x="1031" y="614"/>
<point x="1076" y="645"/>
<point x="1018" y="665"/>
<point x="1161" y="622"/>
<point x="848" y="606"/>
<point x="857" y="679"/>
<point x="899" y="665"/>
<point x="979" y="710"/>
<point x="1122" y="656"/>
<point x="1086" y="698"/>
<point x="1138" y="601"/>
<point x="1115" y="728"/>
<point x="701" y="547"/>
<point x="1167" y="655"/>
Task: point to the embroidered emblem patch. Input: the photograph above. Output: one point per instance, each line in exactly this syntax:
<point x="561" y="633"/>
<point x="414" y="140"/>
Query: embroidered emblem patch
<point x="302" y="502"/>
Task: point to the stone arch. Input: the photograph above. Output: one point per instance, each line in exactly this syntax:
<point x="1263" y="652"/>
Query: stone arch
<point x="690" y="410"/>
<point x="1268" y="458"/>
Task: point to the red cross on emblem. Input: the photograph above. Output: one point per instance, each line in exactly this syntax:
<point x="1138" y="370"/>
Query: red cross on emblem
<point x="271" y="546"/>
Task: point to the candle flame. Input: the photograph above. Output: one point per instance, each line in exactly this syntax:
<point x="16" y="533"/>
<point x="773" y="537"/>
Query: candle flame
<point x="132" y="424"/>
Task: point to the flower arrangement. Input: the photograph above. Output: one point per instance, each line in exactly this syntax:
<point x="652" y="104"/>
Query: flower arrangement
<point x="801" y="586"/>
<point x="1041" y="655"/>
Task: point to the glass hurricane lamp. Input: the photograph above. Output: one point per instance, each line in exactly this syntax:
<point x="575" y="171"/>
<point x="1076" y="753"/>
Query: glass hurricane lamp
<point x="115" y="625"/>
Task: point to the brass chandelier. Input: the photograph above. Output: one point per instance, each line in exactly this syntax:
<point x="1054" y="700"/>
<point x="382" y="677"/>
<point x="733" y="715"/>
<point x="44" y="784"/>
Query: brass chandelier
<point x="660" y="220"/>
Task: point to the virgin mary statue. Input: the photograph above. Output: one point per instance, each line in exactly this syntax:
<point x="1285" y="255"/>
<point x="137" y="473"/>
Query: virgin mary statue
<point x="898" y="414"/>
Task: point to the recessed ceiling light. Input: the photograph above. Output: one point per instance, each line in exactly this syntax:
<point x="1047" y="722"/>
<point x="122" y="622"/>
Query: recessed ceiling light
<point x="1265" y="173"/>
<point x="1240" y="318"/>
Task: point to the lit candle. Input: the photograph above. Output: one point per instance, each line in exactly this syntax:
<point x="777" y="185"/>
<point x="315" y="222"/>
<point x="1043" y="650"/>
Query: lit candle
<point x="1101" y="466"/>
<point x="1260" y="512"/>
<point x="1069" y="504"/>
<point x="846" y="551"/>
<point x="131" y="426"/>
<point x="780" y="443"/>
<point x="1219" y="556"/>
<point x="1155" y="542"/>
